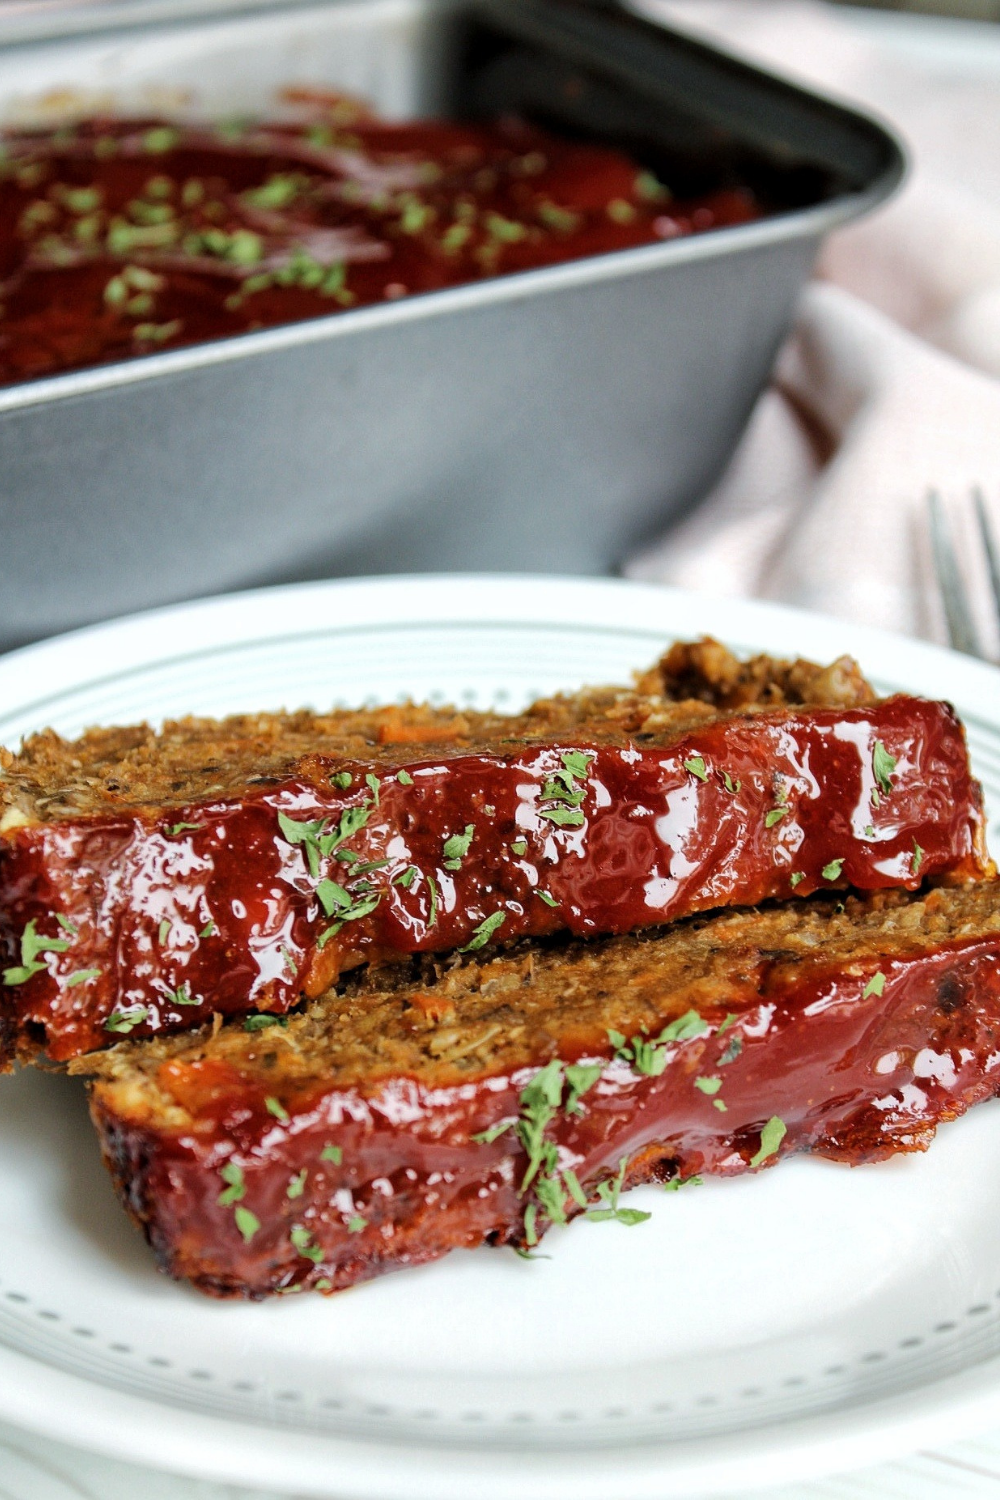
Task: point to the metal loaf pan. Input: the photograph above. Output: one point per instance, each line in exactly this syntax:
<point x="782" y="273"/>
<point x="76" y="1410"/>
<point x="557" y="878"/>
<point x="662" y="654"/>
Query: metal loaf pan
<point x="545" y="421"/>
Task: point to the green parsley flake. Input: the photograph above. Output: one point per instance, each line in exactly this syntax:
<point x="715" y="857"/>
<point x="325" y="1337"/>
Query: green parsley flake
<point x="32" y="944"/>
<point x="374" y="786"/>
<point x="544" y="896"/>
<point x="718" y="1104"/>
<point x="833" y="870"/>
<point x="125" y="1020"/>
<point x="519" y="847"/>
<point x="246" y="1222"/>
<point x="404" y="778"/>
<point x="875" y="986"/>
<point x="730" y="785"/>
<point x="577" y="762"/>
<point x="406" y="877"/>
<point x="651" y="188"/>
<point x="530" y="1220"/>
<point x="493" y="1133"/>
<point x="457" y="847"/>
<point x="303" y="1242"/>
<point x="676" y="1183"/>
<point x="67" y="925"/>
<point x="261" y="1023"/>
<point x="484" y="932"/>
<point x="883" y="765"/>
<point x="608" y="1194"/>
<point x="176" y="828"/>
<point x="563" y="817"/>
<point x="708" y="1085"/>
<point x="869" y="831"/>
<point x="162" y="138"/>
<point x="732" y="1052"/>
<point x="277" y="1109"/>
<point x="356" y="1224"/>
<point x="581" y="1077"/>
<point x="232" y="1175"/>
<point x="796" y="878"/>
<point x="333" y="897"/>
<point x="341" y="779"/>
<point x="775" y="816"/>
<point x="81" y="977"/>
<point x="182" y="995"/>
<point x="297" y="1184"/>
<point x="771" y="1137"/>
<point x="208" y="930"/>
<point x="164" y="931"/>
<point x="432" y="914"/>
<point x="918" y="858"/>
<point x="696" y="765"/>
<point x="332" y="1153"/>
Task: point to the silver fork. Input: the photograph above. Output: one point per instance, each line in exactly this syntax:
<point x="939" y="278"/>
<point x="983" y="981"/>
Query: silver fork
<point x="955" y="595"/>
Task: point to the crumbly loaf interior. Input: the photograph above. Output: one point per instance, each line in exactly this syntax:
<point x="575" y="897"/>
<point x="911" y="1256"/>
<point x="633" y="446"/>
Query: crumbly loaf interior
<point x="118" y="770"/>
<point x="446" y="1021"/>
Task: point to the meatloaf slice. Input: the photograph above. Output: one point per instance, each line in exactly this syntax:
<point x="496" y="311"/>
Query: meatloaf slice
<point x="149" y="880"/>
<point x="466" y="1101"/>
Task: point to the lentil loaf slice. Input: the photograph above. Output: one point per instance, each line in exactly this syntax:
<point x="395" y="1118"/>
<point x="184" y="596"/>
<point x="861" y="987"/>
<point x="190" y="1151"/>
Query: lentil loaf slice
<point x="149" y="880"/>
<point x="453" y="1102"/>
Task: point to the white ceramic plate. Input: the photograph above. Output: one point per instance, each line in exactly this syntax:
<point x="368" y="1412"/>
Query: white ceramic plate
<point x="752" y="1331"/>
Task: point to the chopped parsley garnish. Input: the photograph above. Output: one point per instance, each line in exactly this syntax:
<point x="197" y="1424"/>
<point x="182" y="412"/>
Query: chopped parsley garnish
<point x="918" y="858"/>
<point x="696" y="765"/>
<point x="332" y="1153"/>
<point x="519" y="847"/>
<point x="406" y="877"/>
<point x="493" y="1133"/>
<point x="563" y="817"/>
<point x="676" y="1183"/>
<point x="32" y="944"/>
<point x="232" y="1175"/>
<point x="277" y="1109"/>
<point x="732" y="1052"/>
<point x="869" y="831"/>
<point x="581" y="1077"/>
<point x="796" y="878"/>
<point x="374" y="786"/>
<point x="404" y="778"/>
<point x="775" y="815"/>
<point x="883" y="765"/>
<point x="67" y="925"/>
<point x="730" y="785"/>
<point x="457" y="847"/>
<point x="718" y="1104"/>
<point x="708" y="1085"/>
<point x="303" y="1242"/>
<point x="341" y="780"/>
<point x="875" y="986"/>
<point x="561" y="788"/>
<point x="650" y="1056"/>
<point x="544" y="896"/>
<point x="297" y="1184"/>
<point x="126" y="1019"/>
<point x="182" y="996"/>
<point x="81" y="977"/>
<point x="482" y="934"/>
<point x="164" y="931"/>
<point x="432" y="913"/>
<point x="208" y="930"/>
<point x="356" y="1224"/>
<point x="176" y="828"/>
<point x="246" y="1222"/>
<point x="608" y="1194"/>
<point x="160" y="139"/>
<point x="771" y="1137"/>
<point x="333" y="897"/>
<point x="833" y="870"/>
<point x="261" y="1023"/>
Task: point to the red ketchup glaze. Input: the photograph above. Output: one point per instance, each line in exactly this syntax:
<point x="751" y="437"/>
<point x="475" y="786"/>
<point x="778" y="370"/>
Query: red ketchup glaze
<point x="164" y="923"/>
<point x="821" y="1066"/>
<point x="124" y="237"/>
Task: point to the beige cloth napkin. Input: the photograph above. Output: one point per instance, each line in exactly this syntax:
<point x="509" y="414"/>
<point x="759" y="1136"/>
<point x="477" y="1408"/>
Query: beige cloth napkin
<point x="890" y="384"/>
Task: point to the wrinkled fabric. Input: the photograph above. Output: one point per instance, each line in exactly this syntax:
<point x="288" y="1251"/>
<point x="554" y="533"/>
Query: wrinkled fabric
<point x="890" y="383"/>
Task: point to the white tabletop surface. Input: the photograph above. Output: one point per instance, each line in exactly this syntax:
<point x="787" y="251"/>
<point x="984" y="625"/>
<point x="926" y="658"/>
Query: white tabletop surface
<point x="33" y="1468"/>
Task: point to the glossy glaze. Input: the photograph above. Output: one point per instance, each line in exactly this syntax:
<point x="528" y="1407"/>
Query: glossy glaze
<point x="851" y="1071"/>
<point x="218" y="908"/>
<point x="120" y="238"/>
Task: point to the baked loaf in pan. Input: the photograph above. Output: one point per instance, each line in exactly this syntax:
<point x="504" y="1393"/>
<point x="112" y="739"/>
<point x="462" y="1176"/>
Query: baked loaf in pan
<point x="148" y="881"/>
<point x="472" y="1101"/>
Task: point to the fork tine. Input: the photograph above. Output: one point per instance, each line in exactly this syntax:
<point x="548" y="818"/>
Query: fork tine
<point x="990" y="548"/>
<point x="961" y="631"/>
